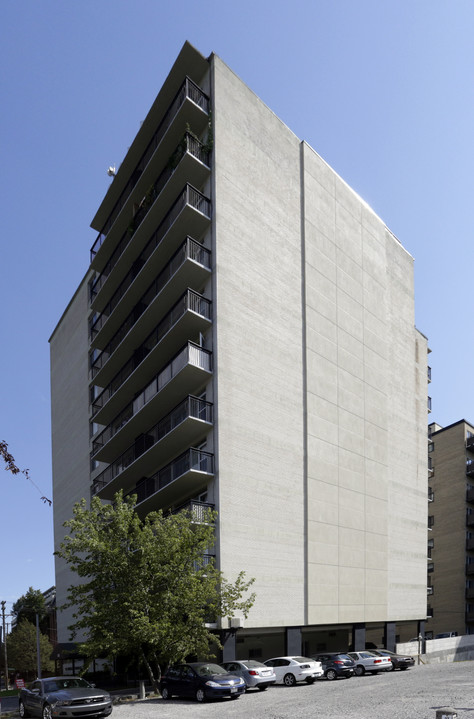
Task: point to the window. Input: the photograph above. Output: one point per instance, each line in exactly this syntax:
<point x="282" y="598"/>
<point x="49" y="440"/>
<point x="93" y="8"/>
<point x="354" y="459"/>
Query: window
<point x="430" y="520"/>
<point x="430" y="494"/>
<point x="431" y="447"/>
<point x="430" y="566"/>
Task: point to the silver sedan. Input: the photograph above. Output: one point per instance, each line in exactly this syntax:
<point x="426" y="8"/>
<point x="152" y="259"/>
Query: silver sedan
<point x="254" y="674"/>
<point x="368" y="662"/>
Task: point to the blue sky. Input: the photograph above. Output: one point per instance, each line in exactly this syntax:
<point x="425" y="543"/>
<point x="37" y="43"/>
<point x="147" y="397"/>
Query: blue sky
<point x="382" y="89"/>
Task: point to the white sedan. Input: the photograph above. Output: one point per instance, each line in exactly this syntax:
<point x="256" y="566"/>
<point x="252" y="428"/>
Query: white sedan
<point x="368" y="662"/>
<point x="290" y="670"/>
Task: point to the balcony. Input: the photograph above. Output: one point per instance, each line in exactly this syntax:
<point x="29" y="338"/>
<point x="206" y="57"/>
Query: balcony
<point x="186" y="475"/>
<point x="190" y="265"/>
<point x="182" y="271"/>
<point x="470" y="545"/>
<point x="470" y="495"/>
<point x="470" y="593"/>
<point x="151" y="213"/>
<point x="429" y="591"/>
<point x="187" y="372"/>
<point x="470" y="468"/>
<point x="197" y="510"/>
<point x="186" y="424"/>
<point x="430" y="494"/>
<point x="470" y="444"/>
<point x="189" y="108"/>
<point x="470" y="568"/>
<point x="470" y="520"/>
<point x="190" y="316"/>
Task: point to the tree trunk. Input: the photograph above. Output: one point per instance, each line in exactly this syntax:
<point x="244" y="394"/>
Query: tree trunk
<point x="154" y="682"/>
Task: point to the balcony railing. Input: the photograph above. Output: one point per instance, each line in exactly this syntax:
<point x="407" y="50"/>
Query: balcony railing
<point x="470" y="444"/>
<point x="470" y="495"/>
<point x="470" y="519"/>
<point x="189" y="302"/>
<point x="190" y="249"/>
<point x="192" y="459"/>
<point x="470" y="568"/>
<point x="430" y="494"/>
<point x="192" y="407"/>
<point x="191" y="354"/>
<point x="470" y="545"/>
<point x="197" y="510"/>
<point x="188" y="90"/>
<point x="429" y="590"/>
<point x="189" y="196"/>
<point x="470" y="468"/>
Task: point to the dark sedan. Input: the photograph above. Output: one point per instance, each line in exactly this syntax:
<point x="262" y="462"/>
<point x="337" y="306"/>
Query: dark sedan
<point x="63" y="697"/>
<point x="399" y="661"/>
<point x="201" y="680"/>
<point x="336" y="665"/>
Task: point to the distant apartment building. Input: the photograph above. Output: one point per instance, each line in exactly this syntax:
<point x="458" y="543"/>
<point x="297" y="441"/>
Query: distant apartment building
<point x="245" y="339"/>
<point x="451" y="528"/>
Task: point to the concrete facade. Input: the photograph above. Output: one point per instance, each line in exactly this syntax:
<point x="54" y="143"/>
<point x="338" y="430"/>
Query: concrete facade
<point x="451" y="529"/>
<point x="309" y="436"/>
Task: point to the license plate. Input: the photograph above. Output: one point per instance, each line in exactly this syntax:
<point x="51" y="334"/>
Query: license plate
<point x="233" y="690"/>
<point x="265" y="673"/>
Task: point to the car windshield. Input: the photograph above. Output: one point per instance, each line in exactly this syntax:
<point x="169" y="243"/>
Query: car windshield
<point x="206" y="670"/>
<point x="56" y="685"/>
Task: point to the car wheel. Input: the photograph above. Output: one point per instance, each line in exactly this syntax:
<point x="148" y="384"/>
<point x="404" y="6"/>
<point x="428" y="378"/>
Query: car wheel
<point x="22" y="710"/>
<point x="200" y="695"/>
<point x="262" y="689"/>
<point x="331" y="675"/>
<point x="46" y="713"/>
<point x="289" y="680"/>
<point x="391" y="667"/>
<point x="165" y="693"/>
<point x="359" y="670"/>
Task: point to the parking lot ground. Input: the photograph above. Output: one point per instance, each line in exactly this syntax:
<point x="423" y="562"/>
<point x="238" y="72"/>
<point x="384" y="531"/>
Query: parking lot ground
<point x="413" y="694"/>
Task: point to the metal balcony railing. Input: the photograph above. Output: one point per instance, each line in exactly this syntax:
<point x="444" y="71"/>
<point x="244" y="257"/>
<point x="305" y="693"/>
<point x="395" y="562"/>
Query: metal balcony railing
<point x="188" y="250"/>
<point x="195" y="148"/>
<point x="189" y="301"/>
<point x="470" y="468"/>
<point x="191" y="407"/>
<point x="192" y="459"/>
<point x="197" y="510"/>
<point x="191" y="354"/>
<point x="188" y="90"/>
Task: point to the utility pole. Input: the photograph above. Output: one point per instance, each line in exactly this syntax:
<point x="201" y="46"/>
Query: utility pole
<point x="4" y="644"/>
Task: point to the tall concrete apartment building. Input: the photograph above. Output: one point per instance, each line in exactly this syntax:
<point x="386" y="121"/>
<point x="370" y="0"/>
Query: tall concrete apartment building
<point x="451" y="529"/>
<point x="245" y="338"/>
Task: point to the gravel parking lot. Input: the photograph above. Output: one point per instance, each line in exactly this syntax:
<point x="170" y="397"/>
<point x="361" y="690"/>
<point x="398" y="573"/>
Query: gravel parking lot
<point x="413" y="694"/>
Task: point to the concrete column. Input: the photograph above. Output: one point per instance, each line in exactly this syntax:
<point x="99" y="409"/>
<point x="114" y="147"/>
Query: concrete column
<point x="389" y="636"/>
<point x="228" y="645"/>
<point x="293" y="641"/>
<point x="358" y="637"/>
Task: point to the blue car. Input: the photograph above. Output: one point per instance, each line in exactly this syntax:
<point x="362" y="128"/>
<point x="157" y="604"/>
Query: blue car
<point x="200" y="680"/>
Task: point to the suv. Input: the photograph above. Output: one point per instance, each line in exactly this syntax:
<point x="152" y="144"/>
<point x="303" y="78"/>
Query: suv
<point x="336" y="664"/>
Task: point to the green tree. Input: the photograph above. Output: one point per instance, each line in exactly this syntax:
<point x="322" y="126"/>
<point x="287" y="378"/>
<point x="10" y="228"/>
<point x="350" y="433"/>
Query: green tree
<point x="21" y="648"/>
<point x="28" y="606"/>
<point x="146" y="587"/>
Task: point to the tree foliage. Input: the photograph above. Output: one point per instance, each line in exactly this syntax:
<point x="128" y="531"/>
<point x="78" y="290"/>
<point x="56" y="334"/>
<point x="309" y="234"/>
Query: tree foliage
<point x="29" y="605"/>
<point x="21" y="649"/>
<point x="146" y="587"/>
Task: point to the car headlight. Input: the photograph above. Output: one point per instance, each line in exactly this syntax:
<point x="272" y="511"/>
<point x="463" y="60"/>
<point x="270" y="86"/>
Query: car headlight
<point x="62" y="703"/>
<point x="210" y="683"/>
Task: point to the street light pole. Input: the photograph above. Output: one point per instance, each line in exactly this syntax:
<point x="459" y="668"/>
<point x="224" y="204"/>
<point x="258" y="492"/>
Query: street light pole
<point x="4" y="644"/>
<point x="38" y="652"/>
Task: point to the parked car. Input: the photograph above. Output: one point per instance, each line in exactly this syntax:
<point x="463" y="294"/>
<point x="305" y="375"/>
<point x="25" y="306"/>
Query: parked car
<point x="336" y="665"/>
<point x="366" y="661"/>
<point x="63" y="697"/>
<point x="398" y="661"/>
<point x="254" y="674"/>
<point x="290" y="670"/>
<point x="445" y="635"/>
<point x="201" y="680"/>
